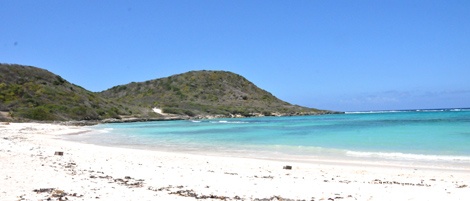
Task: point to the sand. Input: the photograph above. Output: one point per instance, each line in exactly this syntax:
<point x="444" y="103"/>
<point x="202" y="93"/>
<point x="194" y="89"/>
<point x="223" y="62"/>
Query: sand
<point x="30" y="170"/>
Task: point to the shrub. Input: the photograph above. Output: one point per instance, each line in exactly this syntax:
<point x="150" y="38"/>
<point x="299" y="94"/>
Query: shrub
<point x="41" y="113"/>
<point x="59" y="80"/>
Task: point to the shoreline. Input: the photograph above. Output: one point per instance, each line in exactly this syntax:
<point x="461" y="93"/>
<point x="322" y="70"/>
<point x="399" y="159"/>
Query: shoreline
<point x="165" y="117"/>
<point x="302" y="159"/>
<point x="92" y="172"/>
<point x="437" y="162"/>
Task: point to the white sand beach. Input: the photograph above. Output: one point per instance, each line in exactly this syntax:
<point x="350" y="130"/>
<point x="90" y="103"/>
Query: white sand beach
<point x="30" y="170"/>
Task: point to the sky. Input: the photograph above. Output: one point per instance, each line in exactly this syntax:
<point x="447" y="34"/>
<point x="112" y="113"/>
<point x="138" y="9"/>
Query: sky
<point x="337" y="55"/>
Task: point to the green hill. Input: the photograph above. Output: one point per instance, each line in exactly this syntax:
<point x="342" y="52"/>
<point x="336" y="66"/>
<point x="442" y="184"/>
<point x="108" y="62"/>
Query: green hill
<point x="30" y="93"/>
<point x="203" y="93"/>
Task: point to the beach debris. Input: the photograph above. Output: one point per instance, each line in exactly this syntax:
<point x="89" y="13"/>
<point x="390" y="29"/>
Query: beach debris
<point x="129" y="182"/>
<point x="56" y="193"/>
<point x="274" y="198"/>
<point x="230" y="173"/>
<point x="378" y="181"/>
<point x="287" y="167"/>
<point x="185" y="193"/>
<point x="265" y="177"/>
<point x="59" y="153"/>
<point x="70" y="165"/>
<point x="178" y="190"/>
<point x="43" y="190"/>
<point x="193" y="194"/>
<point x="105" y="177"/>
<point x="212" y="197"/>
<point x="168" y="188"/>
<point x="462" y="186"/>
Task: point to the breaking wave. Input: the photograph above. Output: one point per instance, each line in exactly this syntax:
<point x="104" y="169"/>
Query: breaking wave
<point x="416" y="110"/>
<point x="406" y="156"/>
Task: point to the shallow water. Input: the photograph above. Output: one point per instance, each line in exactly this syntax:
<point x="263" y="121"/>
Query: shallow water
<point x="427" y="136"/>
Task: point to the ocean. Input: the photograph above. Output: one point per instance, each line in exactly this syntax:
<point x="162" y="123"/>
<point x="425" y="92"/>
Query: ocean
<point x="432" y="137"/>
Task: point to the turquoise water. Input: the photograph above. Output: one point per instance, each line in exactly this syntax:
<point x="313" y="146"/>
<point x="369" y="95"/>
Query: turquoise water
<point x="419" y="135"/>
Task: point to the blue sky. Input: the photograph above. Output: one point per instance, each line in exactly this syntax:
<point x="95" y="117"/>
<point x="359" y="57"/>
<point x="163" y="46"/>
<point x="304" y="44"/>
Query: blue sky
<point x="338" y="55"/>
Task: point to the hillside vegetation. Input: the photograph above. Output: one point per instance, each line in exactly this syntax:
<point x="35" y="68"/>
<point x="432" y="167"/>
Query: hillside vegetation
<point x="198" y="93"/>
<point x="30" y="93"/>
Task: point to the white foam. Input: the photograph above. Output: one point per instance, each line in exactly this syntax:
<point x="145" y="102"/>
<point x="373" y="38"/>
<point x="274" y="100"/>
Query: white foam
<point x="404" y="156"/>
<point x="229" y="122"/>
<point x="376" y="112"/>
<point x="103" y="130"/>
<point x="417" y="110"/>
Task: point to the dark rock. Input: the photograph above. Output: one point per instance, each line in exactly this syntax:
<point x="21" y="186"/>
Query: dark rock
<point x="287" y="167"/>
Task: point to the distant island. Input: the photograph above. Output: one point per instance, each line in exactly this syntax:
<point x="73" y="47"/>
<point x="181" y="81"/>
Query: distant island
<point x="29" y="93"/>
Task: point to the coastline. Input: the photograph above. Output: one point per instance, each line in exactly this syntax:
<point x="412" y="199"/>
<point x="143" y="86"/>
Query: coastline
<point x="89" y="172"/>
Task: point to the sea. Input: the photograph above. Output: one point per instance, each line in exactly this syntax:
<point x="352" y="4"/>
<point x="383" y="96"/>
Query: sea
<point x="437" y="137"/>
